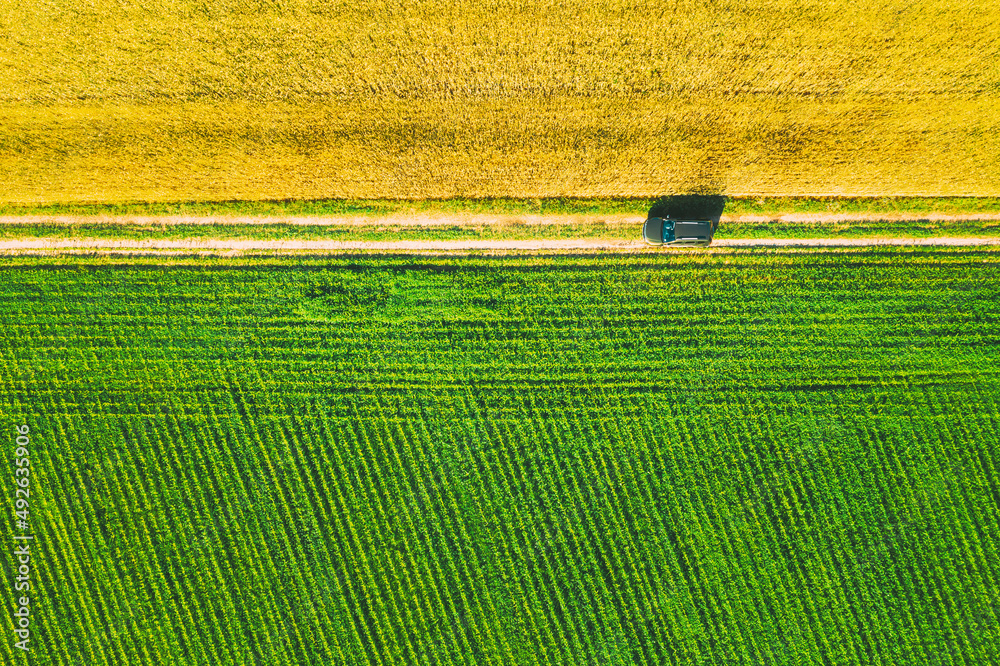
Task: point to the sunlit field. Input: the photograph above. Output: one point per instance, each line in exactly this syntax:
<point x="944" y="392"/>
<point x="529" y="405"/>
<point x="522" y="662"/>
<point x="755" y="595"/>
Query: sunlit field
<point x="747" y="457"/>
<point x="177" y="101"/>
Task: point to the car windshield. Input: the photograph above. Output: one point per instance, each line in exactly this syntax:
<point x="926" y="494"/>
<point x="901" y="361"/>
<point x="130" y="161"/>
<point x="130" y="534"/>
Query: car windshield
<point x="668" y="231"/>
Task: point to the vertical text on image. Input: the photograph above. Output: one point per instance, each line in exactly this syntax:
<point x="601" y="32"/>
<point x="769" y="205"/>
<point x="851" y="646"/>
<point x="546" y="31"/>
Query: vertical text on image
<point x="22" y="538"/>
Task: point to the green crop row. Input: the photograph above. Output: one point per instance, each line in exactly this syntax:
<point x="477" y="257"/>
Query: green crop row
<point x="730" y="457"/>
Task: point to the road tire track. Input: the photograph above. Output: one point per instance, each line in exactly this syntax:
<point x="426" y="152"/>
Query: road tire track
<point x="230" y="246"/>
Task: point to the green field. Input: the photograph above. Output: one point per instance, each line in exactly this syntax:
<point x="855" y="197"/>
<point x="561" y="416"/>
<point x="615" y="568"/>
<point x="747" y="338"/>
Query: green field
<point x="727" y="458"/>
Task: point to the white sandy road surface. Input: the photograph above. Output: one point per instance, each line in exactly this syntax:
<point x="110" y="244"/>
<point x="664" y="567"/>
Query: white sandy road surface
<point x="57" y="245"/>
<point x="237" y="246"/>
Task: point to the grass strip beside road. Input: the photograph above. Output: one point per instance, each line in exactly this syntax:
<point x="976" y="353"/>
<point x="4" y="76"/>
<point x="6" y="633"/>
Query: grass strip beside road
<point x="875" y="206"/>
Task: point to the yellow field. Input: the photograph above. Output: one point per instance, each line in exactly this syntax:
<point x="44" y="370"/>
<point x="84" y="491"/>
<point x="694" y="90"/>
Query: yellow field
<point x="179" y="100"/>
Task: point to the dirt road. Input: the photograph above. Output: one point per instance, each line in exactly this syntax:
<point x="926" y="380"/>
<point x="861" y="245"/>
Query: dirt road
<point x="57" y="245"/>
<point x="29" y="243"/>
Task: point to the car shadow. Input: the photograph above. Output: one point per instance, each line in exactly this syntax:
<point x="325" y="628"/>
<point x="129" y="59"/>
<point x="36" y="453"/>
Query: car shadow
<point x="690" y="207"/>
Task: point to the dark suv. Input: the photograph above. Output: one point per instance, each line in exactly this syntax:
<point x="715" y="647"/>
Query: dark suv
<point x="668" y="231"/>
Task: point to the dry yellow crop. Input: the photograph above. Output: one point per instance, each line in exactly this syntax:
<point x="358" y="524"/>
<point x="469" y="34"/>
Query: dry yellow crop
<point x="182" y="100"/>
